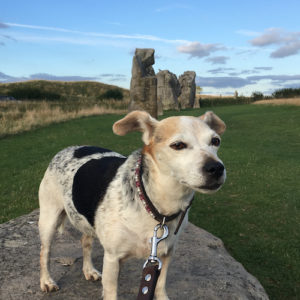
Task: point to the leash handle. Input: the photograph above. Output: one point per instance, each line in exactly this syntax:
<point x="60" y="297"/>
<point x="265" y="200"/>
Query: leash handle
<point x="148" y="282"/>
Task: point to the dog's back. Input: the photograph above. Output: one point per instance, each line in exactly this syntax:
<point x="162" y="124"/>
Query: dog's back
<point x="76" y="180"/>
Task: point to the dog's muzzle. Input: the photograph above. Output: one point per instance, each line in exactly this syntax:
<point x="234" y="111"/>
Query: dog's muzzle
<point x="214" y="169"/>
<point x="215" y="174"/>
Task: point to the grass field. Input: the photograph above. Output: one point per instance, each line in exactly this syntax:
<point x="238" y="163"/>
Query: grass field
<point x="17" y="117"/>
<point x="257" y="212"/>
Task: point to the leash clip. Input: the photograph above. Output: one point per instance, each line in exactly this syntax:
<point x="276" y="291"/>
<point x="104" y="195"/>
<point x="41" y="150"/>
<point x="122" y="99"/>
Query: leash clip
<point x="154" y="244"/>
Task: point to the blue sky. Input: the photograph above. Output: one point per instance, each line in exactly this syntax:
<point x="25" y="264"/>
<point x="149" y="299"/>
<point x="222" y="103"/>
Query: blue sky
<point x="232" y="45"/>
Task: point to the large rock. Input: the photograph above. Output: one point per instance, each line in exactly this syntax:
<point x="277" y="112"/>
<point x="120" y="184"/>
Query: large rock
<point x="143" y="85"/>
<point x="188" y="89"/>
<point x="168" y="90"/>
<point x="200" y="269"/>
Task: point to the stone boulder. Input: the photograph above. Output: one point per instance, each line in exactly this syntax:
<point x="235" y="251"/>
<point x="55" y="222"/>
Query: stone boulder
<point x="143" y="85"/>
<point x="168" y="90"/>
<point x="188" y="89"/>
<point x="200" y="269"/>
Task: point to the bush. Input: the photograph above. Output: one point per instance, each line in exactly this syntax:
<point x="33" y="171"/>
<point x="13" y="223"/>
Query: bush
<point x="257" y="96"/>
<point x="112" y="94"/>
<point x="286" y="93"/>
<point x="31" y="93"/>
<point x="210" y="102"/>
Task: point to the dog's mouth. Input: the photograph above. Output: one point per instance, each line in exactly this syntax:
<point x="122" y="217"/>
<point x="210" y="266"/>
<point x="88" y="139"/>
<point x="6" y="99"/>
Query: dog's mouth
<point x="211" y="187"/>
<point x="207" y="188"/>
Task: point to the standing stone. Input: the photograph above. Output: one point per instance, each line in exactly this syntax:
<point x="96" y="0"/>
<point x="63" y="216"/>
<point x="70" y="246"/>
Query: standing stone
<point x="168" y="90"/>
<point x="160" y="110"/>
<point x="188" y="89"/>
<point x="197" y="103"/>
<point x="143" y="85"/>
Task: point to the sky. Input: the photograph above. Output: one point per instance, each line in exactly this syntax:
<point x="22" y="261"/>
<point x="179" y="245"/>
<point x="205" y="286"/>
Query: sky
<point x="243" y="46"/>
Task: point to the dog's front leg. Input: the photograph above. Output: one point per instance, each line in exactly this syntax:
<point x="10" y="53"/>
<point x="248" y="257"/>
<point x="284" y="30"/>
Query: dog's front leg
<point x="110" y="274"/>
<point x="160" y="291"/>
<point x="89" y="271"/>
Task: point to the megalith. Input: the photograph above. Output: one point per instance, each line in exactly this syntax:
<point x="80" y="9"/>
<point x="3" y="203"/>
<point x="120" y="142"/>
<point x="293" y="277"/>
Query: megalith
<point x="143" y="85"/>
<point x="168" y="90"/>
<point x="188" y="89"/>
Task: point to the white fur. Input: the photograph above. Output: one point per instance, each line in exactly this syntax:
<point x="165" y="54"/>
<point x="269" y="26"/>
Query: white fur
<point x="122" y="224"/>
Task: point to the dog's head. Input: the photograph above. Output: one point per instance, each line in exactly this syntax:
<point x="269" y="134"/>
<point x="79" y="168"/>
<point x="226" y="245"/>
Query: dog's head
<point x="182" y="147"/>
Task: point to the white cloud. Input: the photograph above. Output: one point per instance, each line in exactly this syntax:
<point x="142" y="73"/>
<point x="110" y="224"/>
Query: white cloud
<point x="263" y="68"/>
<point x="4" y="36"/>
<point x="3" y="25"/>
<point x="234" y="72"/>
<point x="100" y="34"/>
<point x="45" y="76"/>
<point x="196" y="49"/>
<point x="269" y="37"/>
<point x="240" y="82"/>
<point x="288" y="42"/>
<point x="217" y="60"/>
<point x="220" y="70"/>
<point x="222" y="82"/>
<point x="291" y="48"/>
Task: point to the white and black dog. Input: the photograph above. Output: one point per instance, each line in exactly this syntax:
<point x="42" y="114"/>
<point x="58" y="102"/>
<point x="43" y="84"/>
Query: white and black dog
<point x="99" y="192"/>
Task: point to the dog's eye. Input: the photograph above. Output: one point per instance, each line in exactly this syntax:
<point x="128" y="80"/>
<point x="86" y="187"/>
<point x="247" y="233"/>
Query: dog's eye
<point x="178" y="146"/>
<point x="215" y="141"/>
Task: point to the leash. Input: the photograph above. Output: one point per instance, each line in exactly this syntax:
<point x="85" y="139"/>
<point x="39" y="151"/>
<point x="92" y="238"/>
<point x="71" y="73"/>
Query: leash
<point x="153" y="265"/>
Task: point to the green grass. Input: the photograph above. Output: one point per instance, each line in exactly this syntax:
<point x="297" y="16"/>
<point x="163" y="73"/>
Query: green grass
<point x="256" y="213"/>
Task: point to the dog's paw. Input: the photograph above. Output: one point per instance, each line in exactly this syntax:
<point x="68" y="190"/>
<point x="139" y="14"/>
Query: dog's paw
<point x="49" y="286"/>
<point x="92" y="274"/>
<point x="161" y="296"/>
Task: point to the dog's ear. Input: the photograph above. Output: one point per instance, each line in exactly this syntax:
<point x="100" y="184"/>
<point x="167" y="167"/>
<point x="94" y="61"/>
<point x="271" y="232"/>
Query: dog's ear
<point x="214" y="122"/>
<point x="136" y="121"/>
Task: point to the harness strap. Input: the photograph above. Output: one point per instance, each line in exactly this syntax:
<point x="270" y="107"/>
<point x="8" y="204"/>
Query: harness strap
<point x="148" y="282"/>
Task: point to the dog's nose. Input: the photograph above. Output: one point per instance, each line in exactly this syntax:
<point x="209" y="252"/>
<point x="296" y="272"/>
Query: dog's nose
<point x="214" y="168"/>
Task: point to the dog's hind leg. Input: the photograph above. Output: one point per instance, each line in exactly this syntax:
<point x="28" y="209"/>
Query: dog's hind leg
<point x="52" y="215"/>
<point x="89" y="271"/>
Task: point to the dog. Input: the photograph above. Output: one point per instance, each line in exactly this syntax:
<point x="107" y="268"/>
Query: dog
<point x="97" y="189"/>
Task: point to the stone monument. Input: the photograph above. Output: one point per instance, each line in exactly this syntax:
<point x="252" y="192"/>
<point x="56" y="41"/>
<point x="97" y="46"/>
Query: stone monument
<point x="188" y="89"/>
<point x="143" y="85"/>
<point x="168" y="90"/>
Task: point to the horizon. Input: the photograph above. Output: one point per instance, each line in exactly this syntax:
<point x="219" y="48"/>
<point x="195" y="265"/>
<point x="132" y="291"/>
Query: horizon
<point x="232" y="46"/>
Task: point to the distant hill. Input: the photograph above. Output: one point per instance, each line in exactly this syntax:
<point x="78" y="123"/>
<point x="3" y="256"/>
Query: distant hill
<point x="61" y="90"/>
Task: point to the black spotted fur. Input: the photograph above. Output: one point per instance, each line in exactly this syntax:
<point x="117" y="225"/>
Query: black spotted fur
<point x="91" y="182"/>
